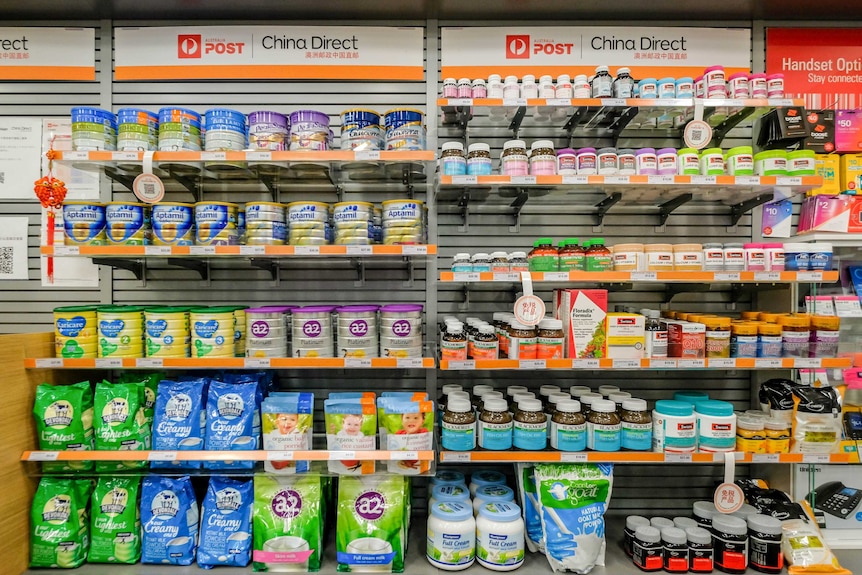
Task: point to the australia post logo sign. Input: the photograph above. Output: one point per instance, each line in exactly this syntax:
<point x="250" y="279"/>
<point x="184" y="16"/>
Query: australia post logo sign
<point x="519" y="47"/>
<point x="269" y="52"/>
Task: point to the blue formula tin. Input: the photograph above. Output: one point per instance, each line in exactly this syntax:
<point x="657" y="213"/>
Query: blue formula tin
<point x="84" y="223"/>
<point x="179" y="115"/>
<point x="173" y="224"/>
<point x="216" y="115"/>
<point x="215" y="219"/>
<point x="127" y="223"/>
<point x="360" y="130"/>
<point x="138" y="116"/>
<point x="404" y="129"/>
<point x="85" y="112"/>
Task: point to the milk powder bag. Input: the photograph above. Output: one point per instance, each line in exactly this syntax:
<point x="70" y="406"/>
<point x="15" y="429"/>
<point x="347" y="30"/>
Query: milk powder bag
<point x="115" y="521"/>
<point x="287" y="425"/>
<point x="409" y="427"/>
<point x="371" y="532"/>
<point x="179" y="420"/>
<point x="532" y="522"/>
<point x="169" y="517"/>
<point x="120" y="424"/>
<point x="225" y="536"/>
<point x="150" y="383"/>
<point x="64" y="421"/>
<point x="351" y="425"/>
<point x="288" y="523"/>
<point x="230" y="422"/>
<point x="573" y="498"/>
<point x="58" y="523"/>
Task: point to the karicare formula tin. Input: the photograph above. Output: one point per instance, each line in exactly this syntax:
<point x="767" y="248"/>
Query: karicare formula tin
<point x="75" y="332"/>
<point x="212" y="331"/>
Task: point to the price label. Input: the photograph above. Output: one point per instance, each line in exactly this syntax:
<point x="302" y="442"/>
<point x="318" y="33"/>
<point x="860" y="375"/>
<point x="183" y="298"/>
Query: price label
<point x="459" y="102"/>
<point x="76" y="156"/>
<point x="815" y="458"/>
<point x="728" y="497"/>
<point x="66" y="251"/>
<point x="455" y="457"/>
<point x="257" y="363"/>
<point x="279" y="455"/>
<point x="467" y="276"/>
<point x="529" y="309"/>
<point x="768" y="363"/>
<point x="767" y="276"/>
<point x="722" y="363"/>
<point x="765" y="458"/>
<point x="462" y="364"/>
<point x="341" y="455"/>
<point x="617" y="180"/>
<point x="523" y="180"/>
<point x="847" y="306"/>
<point x="202" y="250"/>
<point x="677" y="457"/>
<point x="697" y="134"/>
<point x="404" y="455"/>
<point x="49" y="363"/>
<point x="748" y="180"/>
<point x="660" y="180"/>
<point x="779" y="102"/>
<point x="360" y="250"/>
<point x="357" y="362"/>
<point x="585" y="364"/>
<point x="465" y="180"/>
<point x="307" y="250"/>
<point x="149" y="362"/>
<point x="809" y="276"/>
<point x="367" y="155"/>
<point x="558" y="101"/>
<point x="513" y="102"/>
<point x="409" y="362"/>
<point x="507" y="277"/>
<point x="43" y="456"/>
<point x="124" y="156"/>
<point x="663" y="363"/>
<point x="109" y="362"/>
<point x="556" y="276"/>
<point x="158" y="250"/>
<point x="213" y="156"/>
<point x="733" y="103"/>
<point x="691" y="363"/>
<point x="627" y="363"/>
<point x="644" y="276"/>
<point x="615" y="102"/>
<point x="162" y="456"/>
<point x="788" y="181"/>
<point x="726" y="276"/>
<point x="575" y="180"/>
<point x="807" y="363"/>
<point x="573" y="457"/>
<point x="252" y="250"/>
<point x="703" y="180"/>
<point x="532" y="364"/>
<point x="414" y="250"/>
<point x="258" y="156"/>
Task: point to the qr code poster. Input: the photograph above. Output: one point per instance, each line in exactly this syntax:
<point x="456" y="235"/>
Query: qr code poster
<point x="13" y="249"/>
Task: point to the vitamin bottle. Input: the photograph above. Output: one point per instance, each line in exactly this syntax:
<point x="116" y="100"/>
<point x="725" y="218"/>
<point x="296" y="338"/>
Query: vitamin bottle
<point x="656" y="335"/>
<point x="458" y="425"/>
<point x="795" y="335"/>
<point x="549" y="339"/>
<point x="717" y="336"/>
<point x="522" y="341"/>
<point x="514" y="161"/>
<point x="531" y="426"/>
<point x="572" y="256"/>
<point x="544" y="257"/>
<point x="454" y="344"/>
<point x="603" y="426"/>
<point x="635" y="425"/>
<point x="495" y="425"/>
<point x="623" y="84"/>
<point x="479" y="160"/>
<point x="569" y="430"/>
<point x="452" y="159"/>
<point x="485" y="343"/>
<point x="602" y="83"/>
<point x="598" y="258"/>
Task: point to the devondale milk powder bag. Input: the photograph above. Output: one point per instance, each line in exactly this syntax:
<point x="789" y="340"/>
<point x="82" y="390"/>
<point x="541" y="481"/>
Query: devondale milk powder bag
<point x="169" y="517"/>
<point x="120" y="424"/>
<point x="64" y="421"/>
<point x="115" y="521"/>
<point x="58" y="523"/>
<point x="231" y="409"/>
<point x="225" y="536"/>
<point x="179" y="420"/>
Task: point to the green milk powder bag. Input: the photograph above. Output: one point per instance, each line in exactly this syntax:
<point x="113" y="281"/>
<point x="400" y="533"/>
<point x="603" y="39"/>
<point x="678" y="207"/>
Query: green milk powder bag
<point x="120" y="424"/>
<point x="288" y="523"/>
<point x="58" y="527"/>
<point x="64" y="420"/>
<point x="150" y="384"/>
<point x="372" y="524"/>
<point x="115" y="521"/>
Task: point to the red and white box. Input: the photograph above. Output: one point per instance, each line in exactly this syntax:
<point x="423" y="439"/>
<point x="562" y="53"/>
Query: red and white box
<point x="583" y="313"/>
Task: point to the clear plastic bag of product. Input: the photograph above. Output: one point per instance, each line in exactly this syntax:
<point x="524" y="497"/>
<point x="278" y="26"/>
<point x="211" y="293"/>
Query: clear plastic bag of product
<point x="816" y="420"/>
<point x="806" y="551"/>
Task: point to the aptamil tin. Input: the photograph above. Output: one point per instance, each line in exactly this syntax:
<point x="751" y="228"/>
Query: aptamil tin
<point x="309" y="130"/>
<point x="298" y="212"/>
<point x="360" y="130"/>
<point x="216" y="223"/>
<point x="404" y="129"/>
<point x="266" y="234"/>
<point x="212" y="331"/>
<point x="75" y="331"/>
<point x="128" y="223"/>
<point x="84" y="223"/>
<point x="347" y="212"/>
<point x="264" y="212"/>
<point x="173" y="224"/>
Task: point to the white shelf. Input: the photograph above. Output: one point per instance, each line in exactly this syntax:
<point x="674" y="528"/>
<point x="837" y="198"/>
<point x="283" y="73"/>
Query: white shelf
<point x="836" y="239"/>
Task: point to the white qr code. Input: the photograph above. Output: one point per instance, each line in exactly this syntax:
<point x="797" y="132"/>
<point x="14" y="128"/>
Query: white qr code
<point x="6" y="254"/>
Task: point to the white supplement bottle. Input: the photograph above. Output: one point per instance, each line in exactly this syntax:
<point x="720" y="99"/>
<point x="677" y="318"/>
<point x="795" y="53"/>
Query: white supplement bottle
<point x="451" y="534"/>
<point x="500" y="537"/>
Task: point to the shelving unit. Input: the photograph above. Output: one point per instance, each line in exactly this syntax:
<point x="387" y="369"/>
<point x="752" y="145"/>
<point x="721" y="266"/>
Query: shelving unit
<point x="638" y="457"/>
<point x="233" y="363"/>
<point x="641" y="364"/>
<point x="644" y="277"/>
<point x="260" y="455"/>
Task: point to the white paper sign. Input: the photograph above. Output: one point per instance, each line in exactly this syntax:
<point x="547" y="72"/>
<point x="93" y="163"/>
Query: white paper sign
<point x="19" y="157"/>
<point x="81" y="184"/>
<point x="48" y="54"/>
<point x="13" y="249"/>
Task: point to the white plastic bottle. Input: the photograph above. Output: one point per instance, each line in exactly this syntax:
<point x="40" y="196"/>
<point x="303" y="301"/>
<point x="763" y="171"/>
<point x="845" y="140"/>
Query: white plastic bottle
<point x="500" y="537"/>
<point x="451" y="544"/>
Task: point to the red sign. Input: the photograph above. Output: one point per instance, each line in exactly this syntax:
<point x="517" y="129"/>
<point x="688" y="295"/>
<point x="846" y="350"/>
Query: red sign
<point x="517" y="46"/>
<point x="822" y="65"/>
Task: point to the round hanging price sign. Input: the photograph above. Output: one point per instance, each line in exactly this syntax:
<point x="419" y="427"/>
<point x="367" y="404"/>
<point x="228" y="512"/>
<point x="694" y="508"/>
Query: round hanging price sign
<point x="728" y="498"/>
<point x="148" y="188"/>
<point x="697" y="134"/>
<point x="529" y="309"/>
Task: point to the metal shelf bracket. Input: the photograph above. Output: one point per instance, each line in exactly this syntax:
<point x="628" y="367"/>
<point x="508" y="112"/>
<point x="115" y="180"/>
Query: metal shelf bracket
<point x="740" y="209"/>
<point x="464" y="205"/>
<point x="667" y="208"/>
<point x="137" y="267"/>
<point x="605" y="205"/>
<point x="200" y="266"/>
<point x="517" y="205"/>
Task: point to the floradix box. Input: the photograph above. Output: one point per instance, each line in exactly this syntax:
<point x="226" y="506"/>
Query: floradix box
<point x="583" y="314"/>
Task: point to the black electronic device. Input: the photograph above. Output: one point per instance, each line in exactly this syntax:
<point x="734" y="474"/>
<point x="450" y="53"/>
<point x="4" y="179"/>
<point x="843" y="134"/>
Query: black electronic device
<point x="836" y="499"/>
<point x="853" y="425"/>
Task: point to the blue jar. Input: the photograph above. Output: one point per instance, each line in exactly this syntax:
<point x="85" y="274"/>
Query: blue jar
<point x="568" y="427"/>
<point x="495" y="426"/>
<point x="604" y="432"/>
<point x="667" y="88"/>
<point x="458" y="426"/>
<point x="648" y="88"/>
<point x="636" y="425"/>
<point x="530" y="431"/>
<point x="452" y="160"/>
<point x="820" y="257"/>
<point x="684" y="87"/>
<point x="769" y="340"/>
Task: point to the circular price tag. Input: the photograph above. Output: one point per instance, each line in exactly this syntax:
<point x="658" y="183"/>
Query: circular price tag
<point x="697" y="134"/>
<point x="148" y="188"/>
<point x="529" y="309"/>
<point x="728" y="498"/>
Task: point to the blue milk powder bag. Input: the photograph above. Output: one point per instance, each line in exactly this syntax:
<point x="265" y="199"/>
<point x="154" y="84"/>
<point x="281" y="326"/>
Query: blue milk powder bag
<point x="226" y="523"/>
<point x="169" y="517"/>
<point x="230" y="422"/>
<point x="179" y="420"/>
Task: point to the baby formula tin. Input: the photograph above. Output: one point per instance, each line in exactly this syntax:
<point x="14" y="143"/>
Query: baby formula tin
<point x="267" y="131"/>
<point x="401" y="330"/>
<point x="312" y="331"/>
<point x="264" y="212"/>
<point x="216" y="223"/>
<point x="212" y="330"/>
<point x="84" y="223"/>
<point x="357" y="330"/>
<point x="360" y="130"/>
<point x="309" y="130"/>
<point x="75" y="332"/>
<point x="121" y="331"/>
<point x="304" y="212"/>
<point x="173" y="224"/>
<point x="404" y="129"/>
<point x="128" y="223"/>
<point x="167" y="331"/>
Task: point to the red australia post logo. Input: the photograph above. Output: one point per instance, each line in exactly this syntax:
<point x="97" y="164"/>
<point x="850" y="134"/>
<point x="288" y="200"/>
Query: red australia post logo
<point x="517" y="46"/>
<point x="189" y="46"/>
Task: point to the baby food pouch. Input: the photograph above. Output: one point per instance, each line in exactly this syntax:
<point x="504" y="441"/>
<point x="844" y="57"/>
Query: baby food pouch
<point x="179" y="420"/>
<point x="288" y="523"/>
<point x="573" y="498"/>
<point x="115" y="521"/>
<point x="58" y="523"/>
<point x="119" y="423"/>
<point x="64" y="421"/>
<point x="287" y="425"/>
<point x="169" y="517"/>
<point x="230" y="422"/>
<point x="409" y="427"/>
<point x="351" y="425"/>
<point x="371" y="523"/>
<point x="225" y="537"/>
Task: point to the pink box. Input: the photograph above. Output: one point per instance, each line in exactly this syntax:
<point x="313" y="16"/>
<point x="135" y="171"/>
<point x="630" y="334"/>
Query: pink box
<point x="583" y="314"/>
<point x="848" y="131"/>
<point x="826" y="213"/>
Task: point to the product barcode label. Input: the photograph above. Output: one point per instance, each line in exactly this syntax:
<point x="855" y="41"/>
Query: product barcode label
<point x="532" y="364"/>
<point x="279" y="455"/>
<point x="124" y="156"/>
<point x="509" y="277"/>
<point x="357" y="362"/>
<point x="703" y="180"/>
<point x="459" y="102"/>
<point x="66" y="250"/>
<point x="808" y="363"/>
<point x="213" y="156"/>
<point x="815" y="458"/>
<point x="162" y="456"/>
<point x="405" y="455"/>
<point x="360" y="250"/>
<point x="573" y="457"/>
<point x="788" y="181"/>
<point x="202" y="250"/>
<point x="847" y="306"/>
<point x="465" y="180"/>
<point x="43" y="456"/>
<point x="307" y="250"/>
<point x="663" y="363"/>
<point x="414" y="250"/>
<point x="809" y="276"/>
<point x="467" y="276"/>
<point x="252" y="250"/>
<point x="722" y="363"/>
<point x="556" y="276"/>
<point x="767" y="276"/>
<point x="617" y="180"/>
<point x="765" y="458"/>
<point x="747" y="180"/>
<point x="644" y="276"/>
<point x="49" y="363"/>
<point x="366" y="155"/>
<point x="108" y="362"/>
<point x="341" y="455"/>
<point x="158" y="250"/>
<point x="779" y="101"/>
<point x="523" y="180"/>
<point x="612" y="101"/>
<point x="257" y="363"/>
<point x="732" y="102"/>
<point x="455" y="457"/>
<point x="575" y="180"/>
<point x="558" y="101"/>
<point x="768" y="363"/>
<point x="726" y="276"/>
<point x="691" y="363"/>
<point x="585" y="364"/>
<point x="677" y="457"/>
<point x="626" y="363"/>
<point x="462" y="364"/>
<point x="76" y="156"/>
<point x="258" y="156"/>
<point x="408" y="362"/>
<point x="660" y="180"/>
<point x="514" y="102"/>
<point x="149" y="362"/>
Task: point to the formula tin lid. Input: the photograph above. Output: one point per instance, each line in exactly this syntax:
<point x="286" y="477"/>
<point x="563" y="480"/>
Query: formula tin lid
<point x="648" y="534"/>
<point x="672" y="407"/>
<point x="714" y="408"/>
<point x="673" y="535"/>
<point x="500" y="511"/>
<point x="729" y="524"/>
<point x="315" y="309"/>
<point x="401" y="308"/>
<point x="764" y="524"/>
<point x="447" y="477"/>
<point x="75" y="308"/>
<point x="635" y="521"/>
<point x="450" y="492"/>
<point x="268" y="309"/>
<point x="488" y="477"/>
<point x="452" y="511"/>
<point x="357" y="308"/>
<point x="491" y="493"/>
<point x="698" y="535"/>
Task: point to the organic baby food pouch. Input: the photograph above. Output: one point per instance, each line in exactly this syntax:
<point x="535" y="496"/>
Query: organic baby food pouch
<point x="225" y="537"/>
<point x="288" y="523"/>
<point x="58" y="523"/>
<point x="409" y="427"/>
<point x="115" y="521"/>
<point x="230" y="422"/>
<point x="169" y="517"/>
<point x="371" y="523"/>
<point x="287" y="426"/>
<point x="64" y="421"/>
<point x="120" y="424"/>
<point x="179" y="420"/>
<point x="351" y="425"/>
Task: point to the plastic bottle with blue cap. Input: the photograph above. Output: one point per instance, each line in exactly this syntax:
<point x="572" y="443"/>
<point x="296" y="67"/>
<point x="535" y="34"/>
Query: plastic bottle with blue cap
<point x="716" y="426"/>
<point x="674" y="427"/>
<point x="451" y="542"/>
<point x="450" y="493"/>
<point x="492" y="494"/>
<point x="500" y="536"/>
<point x="481" y="478"/>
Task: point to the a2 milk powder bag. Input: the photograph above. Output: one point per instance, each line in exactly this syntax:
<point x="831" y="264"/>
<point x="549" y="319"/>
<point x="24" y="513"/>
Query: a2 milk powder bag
<point x="169" y="517"/>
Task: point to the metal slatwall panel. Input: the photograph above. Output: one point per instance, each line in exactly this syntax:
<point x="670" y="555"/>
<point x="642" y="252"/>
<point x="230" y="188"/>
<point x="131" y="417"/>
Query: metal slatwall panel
<point x="26" y="306"/>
